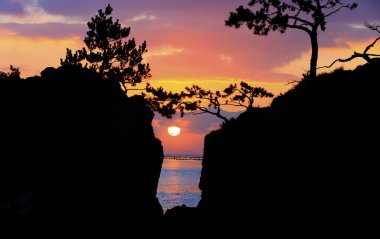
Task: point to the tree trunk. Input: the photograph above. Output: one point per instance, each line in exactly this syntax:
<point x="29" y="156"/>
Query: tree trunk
<point x="314" y="55"/>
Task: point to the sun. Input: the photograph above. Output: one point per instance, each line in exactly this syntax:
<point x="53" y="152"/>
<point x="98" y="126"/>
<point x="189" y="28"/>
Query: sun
<point x="174" y="131"/>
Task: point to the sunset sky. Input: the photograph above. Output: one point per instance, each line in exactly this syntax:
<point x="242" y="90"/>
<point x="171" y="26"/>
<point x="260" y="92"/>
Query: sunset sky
<point x="188" y="44"/>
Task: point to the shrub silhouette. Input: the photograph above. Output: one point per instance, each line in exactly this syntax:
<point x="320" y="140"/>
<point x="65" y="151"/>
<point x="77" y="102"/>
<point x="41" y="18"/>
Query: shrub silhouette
<point x="14" y="74"/>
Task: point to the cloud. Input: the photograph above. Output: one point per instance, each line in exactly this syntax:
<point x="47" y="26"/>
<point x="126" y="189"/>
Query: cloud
<point x="47" y="30"/>
<point x="33" y="55"/>
<point x="357" y="26"/>
<point x="6" y="33"/>
<point x="144" y="18"/>
<point x="165" y="50"/>
<point x="225" y="58"/>
<point x="34" y="14"/>
<point x="72" y="7"/>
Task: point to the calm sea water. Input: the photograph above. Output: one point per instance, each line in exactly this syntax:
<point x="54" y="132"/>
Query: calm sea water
<point x="179" y="183"/>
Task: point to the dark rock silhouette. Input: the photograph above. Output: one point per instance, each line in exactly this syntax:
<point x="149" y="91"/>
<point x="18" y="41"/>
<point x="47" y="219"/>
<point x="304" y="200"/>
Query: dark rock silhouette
<point x="181" y="214"/>
<point x="304" y="164"/>
<point x="184" y="220"/>
<point x="76" y="151"/>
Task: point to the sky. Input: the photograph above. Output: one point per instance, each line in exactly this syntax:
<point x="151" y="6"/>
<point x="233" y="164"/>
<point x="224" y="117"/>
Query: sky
<point x="188" y="43"/>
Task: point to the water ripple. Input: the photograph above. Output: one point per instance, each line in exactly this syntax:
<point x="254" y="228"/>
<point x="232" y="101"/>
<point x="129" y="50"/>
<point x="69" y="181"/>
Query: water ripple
<point x="179" y="183"/>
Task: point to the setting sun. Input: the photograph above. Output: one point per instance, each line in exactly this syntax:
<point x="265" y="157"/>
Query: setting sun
<point x="174" y="131"/>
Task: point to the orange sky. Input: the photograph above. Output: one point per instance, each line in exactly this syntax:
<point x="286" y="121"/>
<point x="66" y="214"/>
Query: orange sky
<point x="188" y="44"/>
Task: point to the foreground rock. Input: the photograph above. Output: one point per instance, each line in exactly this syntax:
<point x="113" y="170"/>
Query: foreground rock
<point x="304" y="164"/>
<point x="76" y="151"/>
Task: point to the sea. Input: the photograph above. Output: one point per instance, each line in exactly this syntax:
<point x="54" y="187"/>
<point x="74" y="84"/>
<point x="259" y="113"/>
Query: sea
<point x="179" y="179"/>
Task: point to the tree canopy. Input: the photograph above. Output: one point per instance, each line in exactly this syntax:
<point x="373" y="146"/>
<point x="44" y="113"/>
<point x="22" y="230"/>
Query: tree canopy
<point x="244" y="95"/>
<point x="108" y="52"/>
<point x="197" y="100"/>
<point x="263" y="16"/>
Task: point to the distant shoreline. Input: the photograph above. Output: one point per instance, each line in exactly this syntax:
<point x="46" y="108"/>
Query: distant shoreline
<point x="183" y="157"/>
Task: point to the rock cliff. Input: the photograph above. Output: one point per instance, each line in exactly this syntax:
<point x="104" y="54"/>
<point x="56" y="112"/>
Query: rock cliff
<point x="306" y="163"/>
<point x="76" y="151"/>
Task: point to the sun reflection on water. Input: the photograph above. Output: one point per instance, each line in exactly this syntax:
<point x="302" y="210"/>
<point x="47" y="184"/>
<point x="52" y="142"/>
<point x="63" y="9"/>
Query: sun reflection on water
<point x="179" y="183"/>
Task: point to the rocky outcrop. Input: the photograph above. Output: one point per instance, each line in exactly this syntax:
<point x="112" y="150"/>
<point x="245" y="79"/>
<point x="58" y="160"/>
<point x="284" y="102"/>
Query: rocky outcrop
<point x="76" y="151"/>
<point x="305" y="163"/>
